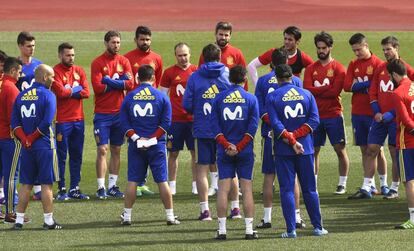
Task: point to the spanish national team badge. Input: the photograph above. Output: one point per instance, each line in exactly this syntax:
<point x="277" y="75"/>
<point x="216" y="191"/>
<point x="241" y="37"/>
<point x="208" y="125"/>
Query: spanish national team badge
<point x="59" y="137"/>
<point x="152" y="64"/>
<point x="370" y="70"/>
<point x="136" y="65"/>
<point x="65" y="78"/>
<point x="119" y="68"/>
<point x="76" y="76"/>
<point x="330" y="73"/>
<point x="105" y="69"/>
<point x="230" y="60"/>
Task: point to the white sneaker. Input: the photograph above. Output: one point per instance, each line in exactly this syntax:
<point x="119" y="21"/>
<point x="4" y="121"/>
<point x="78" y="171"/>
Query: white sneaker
<point x="212" y="191"/>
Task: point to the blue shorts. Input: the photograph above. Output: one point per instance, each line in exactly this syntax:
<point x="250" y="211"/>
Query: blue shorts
<point x="179" y="133"/>
<point x="268" y="160"/>
<point x="39" y="167"/>
<point x="138" y="161"/>
<point x="205" y="151"/>
<point x="242" y="164"/>
<point x="405" y="164"/>
<point x="107" y="129"/>
<point x="379" y="131"/>
<point x="360" y="128"/>
<point x="334" y="128"/>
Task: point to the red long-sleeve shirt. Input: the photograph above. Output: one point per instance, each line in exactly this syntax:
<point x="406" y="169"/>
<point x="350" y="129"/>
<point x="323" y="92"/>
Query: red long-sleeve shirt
<point x="381" y="88"/>
<point x="360" y="70"/>
<point x="175" y="78"/>
<point x="69" y="109"/>
<point x="114" y="66"/>
<point x="8" y="94"/>
<point x="326" y="83"/>
<point x="403" y="98"/>
<point x="138" y="57"/>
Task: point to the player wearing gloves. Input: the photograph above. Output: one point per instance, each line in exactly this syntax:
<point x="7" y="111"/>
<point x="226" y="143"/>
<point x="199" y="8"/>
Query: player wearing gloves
<point x="70" y="87"/>
<point x="293" y="116"/>
<point x="145" y="118"/>
<point x="111" y="77"/>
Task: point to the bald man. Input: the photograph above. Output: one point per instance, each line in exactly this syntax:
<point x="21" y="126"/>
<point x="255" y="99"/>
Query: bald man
<point x="31" y="122"/>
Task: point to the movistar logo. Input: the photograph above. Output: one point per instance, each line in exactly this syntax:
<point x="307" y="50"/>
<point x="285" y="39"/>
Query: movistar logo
<point x="31" y="112"/>
<point x="292" y="95"/>
<point x="30" y="95"/>
<point x="142" y="112"/>
<point x="293" y="113"/>
<point x="207" y="109"/>
<point x="211" y="92"/>
<point x="386" y="87"/>
<point x="316" y="83"/>
<point x="232" y="115"/>
<point x="26" y="85"/>
<point x="234" y="97"/>
<point x="144" y="94"/>
<point x="180" y="90"/>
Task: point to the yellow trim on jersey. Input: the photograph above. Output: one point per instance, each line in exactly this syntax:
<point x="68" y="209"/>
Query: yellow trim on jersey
<point x="215" y="89"/>
<point x="55" y="166"/>
<point x="16" y="157"/>
<point x="402" y="166"/>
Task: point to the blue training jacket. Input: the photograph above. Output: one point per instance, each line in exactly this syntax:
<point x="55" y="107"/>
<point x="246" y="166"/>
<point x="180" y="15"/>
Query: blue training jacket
<point x="35" y="108"/>
<point x="144" y="110"/>
<point x="202" y="87"/>
<point x="290" y="107"/>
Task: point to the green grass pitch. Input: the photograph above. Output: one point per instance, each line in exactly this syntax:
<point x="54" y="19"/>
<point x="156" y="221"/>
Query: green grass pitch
<point x="353" y="225"/>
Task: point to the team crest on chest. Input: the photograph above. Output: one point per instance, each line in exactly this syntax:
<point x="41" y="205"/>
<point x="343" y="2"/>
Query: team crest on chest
<point x="330" y="73"/>
<point x="65" y="78"/>
<point x="411" y="90"/>
<point x="230" y="60"/>
<point x="136" y="65"/>
<point x="370" y="70"/>
<point x="152" y="64"/>
<point x="76" y="76"/>
<point x="105" y="69"/>
<point x="119" y="68"/>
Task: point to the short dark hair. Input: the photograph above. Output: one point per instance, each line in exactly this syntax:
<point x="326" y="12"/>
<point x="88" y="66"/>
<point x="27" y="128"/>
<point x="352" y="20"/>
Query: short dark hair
<point x="357" y="38"/>
<point x="324" y="37"/>
<point x="279" y="56"/>
<point x="397" y="66"/>
<point x="145" y="73"/>
<point x="111" y="34"/>
<point x="294" y="31"/>
<point x="11" y="63"/>
<point x="181" y="44"/>
<point x="391" y="40"/>
<point x="237" y="74"/>
<point x="3" y="56"/>
<point x="211" y="53"/>
<point x="283" y="71"/>
<point x="227" y="26"/>
<point x="64" y="46"/>
<point x="144" y="30"/>
<point x="23" y="37"/>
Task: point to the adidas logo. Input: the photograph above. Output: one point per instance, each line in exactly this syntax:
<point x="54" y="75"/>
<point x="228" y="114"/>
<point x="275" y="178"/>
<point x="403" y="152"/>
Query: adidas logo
<point x="211" y="92"/>
<point x="144" y="94"/>
<point x="356" y="70"/>
<point x="292" y="95"/>
<point x="234" y="97"/>
<point x="177" y="78"/>
<point x="30" y="95"/>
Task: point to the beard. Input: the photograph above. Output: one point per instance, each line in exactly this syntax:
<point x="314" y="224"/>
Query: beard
<point x="222" y="42"/>
<point x="143" y="47"/>
<point x="323" y="56"/>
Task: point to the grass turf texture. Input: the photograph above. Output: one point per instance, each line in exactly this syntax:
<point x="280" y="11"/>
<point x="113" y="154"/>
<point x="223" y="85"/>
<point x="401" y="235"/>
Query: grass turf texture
<point x="94" y="224"/>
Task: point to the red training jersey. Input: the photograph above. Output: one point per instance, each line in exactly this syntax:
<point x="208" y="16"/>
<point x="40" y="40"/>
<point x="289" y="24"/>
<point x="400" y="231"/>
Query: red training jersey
<point x="325" y="82"/>
<point x="360" y="70"/>
<point x="403" y="98"/>
<point x="382" y="87"/>
<point x="230" y="57"/>
<point x="8" y="94"/>
<point x="69" y="109"/>
<point x="114" y="66"/>
<point x="175" y="78"/>
<point x="297" y="62"/>
<point x="137" y="58"/>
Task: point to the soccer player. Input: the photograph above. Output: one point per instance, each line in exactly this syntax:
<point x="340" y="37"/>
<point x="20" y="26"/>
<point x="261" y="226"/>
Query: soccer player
<point x="173" y="83"/>
<point x="403" y="97"/>
<point x="230" y="55"/>
<point x="202" y="87"/>
<point x="358" y="79"/>
<point x="3" y="57"/>
<point x="293" y="115"/>
<point x="235" y="118"/>
<point x="9" y="148"/>
<point x="265" y="85"/>
<point x="31" y="122"/>
<point x="137" y="57"/>
<point x="27" y="44"/>
<point x="111" y="77"/>
<point x="145" y="118"/>
<point x="298" y="60"/>
<point x="70" y="87"/>
<point x="382" y="104"/>
<point x="325" y="79"/>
